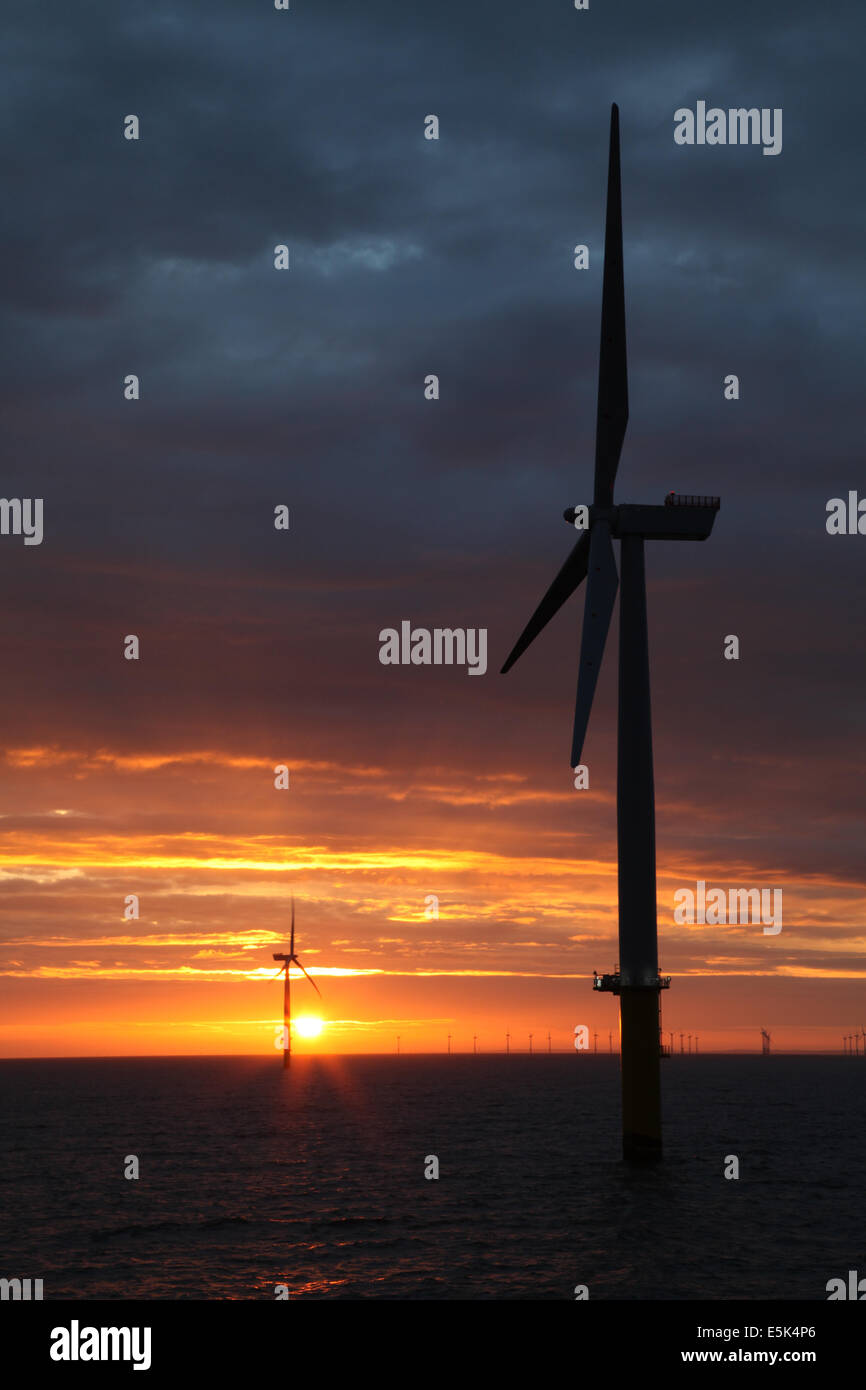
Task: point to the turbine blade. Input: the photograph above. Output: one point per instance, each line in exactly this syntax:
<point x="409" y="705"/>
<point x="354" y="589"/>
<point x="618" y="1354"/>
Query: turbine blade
<point x="601" y="587"/>
<point x="310" y="978"/>
<point x="563" y="586"/>
<point x="292" y="947"/>
<point x="612" y="367"/>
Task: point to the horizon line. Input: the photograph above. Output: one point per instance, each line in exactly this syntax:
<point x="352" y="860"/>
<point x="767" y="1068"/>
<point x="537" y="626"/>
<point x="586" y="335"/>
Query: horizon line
<point x="467" y="1052"/>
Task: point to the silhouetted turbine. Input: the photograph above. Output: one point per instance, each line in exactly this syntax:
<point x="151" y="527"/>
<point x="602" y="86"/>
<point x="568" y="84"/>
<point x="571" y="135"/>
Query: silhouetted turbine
<point x="290" y="959"/>
<point x="592" y="558"/>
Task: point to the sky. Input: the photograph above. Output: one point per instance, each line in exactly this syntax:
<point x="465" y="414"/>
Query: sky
<point x="305" y="388"/>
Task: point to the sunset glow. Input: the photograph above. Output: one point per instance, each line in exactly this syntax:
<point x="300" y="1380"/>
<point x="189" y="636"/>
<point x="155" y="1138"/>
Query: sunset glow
<point x="307" y="1027"/>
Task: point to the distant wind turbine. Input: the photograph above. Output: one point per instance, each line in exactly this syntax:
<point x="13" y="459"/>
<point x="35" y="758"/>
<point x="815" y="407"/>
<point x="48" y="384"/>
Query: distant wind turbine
<point x="289" y="960"/>
<point x="638" y="981"/>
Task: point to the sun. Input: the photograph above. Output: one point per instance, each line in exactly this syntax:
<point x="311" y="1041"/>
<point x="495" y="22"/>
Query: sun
<point x="307" y="1027"/>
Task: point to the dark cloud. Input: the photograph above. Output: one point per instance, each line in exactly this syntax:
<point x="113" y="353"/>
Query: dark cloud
<point x="411" y="257"/>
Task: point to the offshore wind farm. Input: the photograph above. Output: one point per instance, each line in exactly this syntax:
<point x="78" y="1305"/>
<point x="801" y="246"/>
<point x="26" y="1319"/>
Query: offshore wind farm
<point x="332" y="962"/>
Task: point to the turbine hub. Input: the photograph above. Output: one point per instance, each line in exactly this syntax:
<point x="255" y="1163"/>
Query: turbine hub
<point x="596" y="513"/>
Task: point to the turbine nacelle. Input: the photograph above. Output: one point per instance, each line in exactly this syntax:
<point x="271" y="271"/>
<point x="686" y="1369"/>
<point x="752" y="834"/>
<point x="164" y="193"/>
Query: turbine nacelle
<point x="289" y="958"/>
<point x="680" y="519"/>
<point x="293" y="960"/>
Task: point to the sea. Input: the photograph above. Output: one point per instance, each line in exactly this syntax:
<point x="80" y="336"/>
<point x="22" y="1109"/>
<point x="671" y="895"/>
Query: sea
<point x="255" y="1183"/>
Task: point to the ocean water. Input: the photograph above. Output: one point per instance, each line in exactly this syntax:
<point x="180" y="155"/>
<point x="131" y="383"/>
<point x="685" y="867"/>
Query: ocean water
<point x="251" y="1177"/>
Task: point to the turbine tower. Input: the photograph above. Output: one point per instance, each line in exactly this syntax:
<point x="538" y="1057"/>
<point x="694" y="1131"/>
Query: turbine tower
<point x="289" y="960"/>
<point x="765" y="1043"/>
<point x="637" y="982"/>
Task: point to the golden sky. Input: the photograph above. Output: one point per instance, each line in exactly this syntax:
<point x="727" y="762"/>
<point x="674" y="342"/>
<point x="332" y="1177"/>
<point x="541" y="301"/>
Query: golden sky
<point x="521" y="923"/>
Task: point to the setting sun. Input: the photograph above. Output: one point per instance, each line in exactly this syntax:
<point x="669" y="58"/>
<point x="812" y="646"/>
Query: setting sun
<point x="307" y="1027"/>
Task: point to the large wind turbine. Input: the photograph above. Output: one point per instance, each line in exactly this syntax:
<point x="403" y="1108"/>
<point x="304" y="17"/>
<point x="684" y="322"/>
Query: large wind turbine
<point x="290" y="960"/>
<point x="637" y="982"/>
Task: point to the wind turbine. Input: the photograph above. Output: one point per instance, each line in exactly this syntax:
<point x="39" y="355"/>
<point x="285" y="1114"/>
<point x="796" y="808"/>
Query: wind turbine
<point x="289" y="960"/>
<point x="637" y="982"/>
